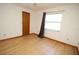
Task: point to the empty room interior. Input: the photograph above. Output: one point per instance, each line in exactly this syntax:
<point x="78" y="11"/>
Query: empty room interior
<point x="39" y="29"/>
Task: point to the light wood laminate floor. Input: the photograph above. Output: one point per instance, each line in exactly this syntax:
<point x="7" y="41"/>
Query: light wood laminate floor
<point x="32" y="45"/>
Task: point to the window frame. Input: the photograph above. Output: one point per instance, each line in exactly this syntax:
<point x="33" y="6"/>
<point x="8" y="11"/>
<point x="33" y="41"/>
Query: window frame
<point x="52" y="13"/>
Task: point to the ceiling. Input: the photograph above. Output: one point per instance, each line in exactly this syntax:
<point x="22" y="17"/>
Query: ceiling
<point x="41" y="6"/>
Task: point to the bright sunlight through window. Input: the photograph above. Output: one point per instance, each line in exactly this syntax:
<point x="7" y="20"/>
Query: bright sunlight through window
<point x="53" y="21"/>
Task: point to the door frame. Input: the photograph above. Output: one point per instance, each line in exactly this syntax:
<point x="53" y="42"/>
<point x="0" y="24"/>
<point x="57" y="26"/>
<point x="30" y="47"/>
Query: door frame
<point x="28" y="23"/>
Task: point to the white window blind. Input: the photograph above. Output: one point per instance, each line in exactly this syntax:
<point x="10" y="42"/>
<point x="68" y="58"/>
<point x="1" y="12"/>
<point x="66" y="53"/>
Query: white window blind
<point x="53" y="21"/>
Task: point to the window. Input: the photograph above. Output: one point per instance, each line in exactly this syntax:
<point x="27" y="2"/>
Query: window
<point x="53" y="21"/>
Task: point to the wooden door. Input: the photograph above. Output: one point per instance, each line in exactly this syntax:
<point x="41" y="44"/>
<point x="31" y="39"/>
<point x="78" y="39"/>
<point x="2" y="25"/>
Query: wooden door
<point x="25" y="23"/>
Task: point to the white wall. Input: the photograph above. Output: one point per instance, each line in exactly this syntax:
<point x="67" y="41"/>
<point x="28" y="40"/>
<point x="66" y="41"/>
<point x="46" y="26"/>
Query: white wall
<point x="69" y="29"/>
<point x="11" y="20"/>
<point x="36" y="18"/>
